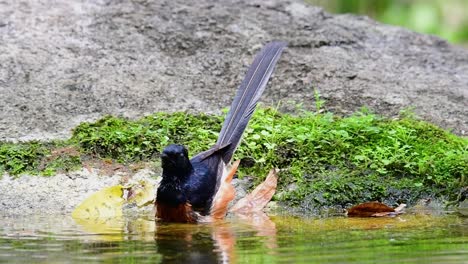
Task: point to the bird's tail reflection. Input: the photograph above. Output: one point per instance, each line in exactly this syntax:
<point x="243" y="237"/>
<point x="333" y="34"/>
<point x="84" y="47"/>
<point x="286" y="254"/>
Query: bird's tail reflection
<point x="211" y="242"/>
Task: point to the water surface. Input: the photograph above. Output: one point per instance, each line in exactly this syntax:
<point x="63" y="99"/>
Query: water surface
<point x="259" y="239"/>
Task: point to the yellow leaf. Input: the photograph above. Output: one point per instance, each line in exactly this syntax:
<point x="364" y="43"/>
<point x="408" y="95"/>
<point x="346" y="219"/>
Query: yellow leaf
<point x="102" y="213"/>
<point x="104" y="203"/>
<point x="109" y="229"/>
<point x="144" y="194"/>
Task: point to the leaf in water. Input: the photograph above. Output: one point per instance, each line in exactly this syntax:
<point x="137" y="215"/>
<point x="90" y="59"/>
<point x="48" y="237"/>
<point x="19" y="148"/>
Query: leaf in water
<point x="258" y="198"/>
<point x="142" y="228"/>
<point x="373" y="209"/>
<point x="108" y="228"/>
<point x="104" y="203"/>
<point x="102" y="213"/>
<point x="143" y="194"/>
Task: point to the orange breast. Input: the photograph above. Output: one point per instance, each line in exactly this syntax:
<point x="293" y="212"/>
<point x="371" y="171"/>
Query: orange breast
<point x="182" y="213"/>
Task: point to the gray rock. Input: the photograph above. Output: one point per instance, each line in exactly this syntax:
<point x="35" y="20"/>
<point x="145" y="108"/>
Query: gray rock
<point x="463" y="208"/>
<point x="64" y="62"/>
<point x="29" y="195"/>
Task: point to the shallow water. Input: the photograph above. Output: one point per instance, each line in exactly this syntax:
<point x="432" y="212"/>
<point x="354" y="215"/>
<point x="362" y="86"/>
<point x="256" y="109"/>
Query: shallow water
<point x="404" y="239"/>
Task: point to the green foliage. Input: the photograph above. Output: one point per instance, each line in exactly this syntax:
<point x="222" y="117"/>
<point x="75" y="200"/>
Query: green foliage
<point x="21" y="157"/>
<point x="358" y="158"/>
<point x="444" y="18"/>
<point x="324" y="158"/>
<point x="61" y="159"/>
<point x="37" y="158"/>
<point x="143" y="139"/>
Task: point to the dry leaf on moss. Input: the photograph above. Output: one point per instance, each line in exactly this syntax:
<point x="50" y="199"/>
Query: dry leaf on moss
<point x="258" y="198"/>
<point x="374" y="209"/>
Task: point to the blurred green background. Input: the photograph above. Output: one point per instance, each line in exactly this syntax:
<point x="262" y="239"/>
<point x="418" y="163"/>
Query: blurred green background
<point x="445" y="18"/>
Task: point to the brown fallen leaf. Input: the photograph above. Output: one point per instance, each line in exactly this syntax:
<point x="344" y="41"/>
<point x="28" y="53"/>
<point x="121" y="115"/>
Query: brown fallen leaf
<point x="258" y="198"/>
<point x="374" y="209"/>
<point x="400" y="208"/>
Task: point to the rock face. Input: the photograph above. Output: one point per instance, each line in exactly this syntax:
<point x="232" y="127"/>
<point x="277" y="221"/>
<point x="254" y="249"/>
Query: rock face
<point x="63" y="62"/>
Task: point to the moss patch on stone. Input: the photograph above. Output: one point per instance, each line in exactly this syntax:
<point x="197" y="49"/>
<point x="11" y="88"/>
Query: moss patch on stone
<point x="325" y="159"/>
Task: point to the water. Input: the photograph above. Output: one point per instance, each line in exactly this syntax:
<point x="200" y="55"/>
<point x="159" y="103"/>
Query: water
<point x="405" y="239"/>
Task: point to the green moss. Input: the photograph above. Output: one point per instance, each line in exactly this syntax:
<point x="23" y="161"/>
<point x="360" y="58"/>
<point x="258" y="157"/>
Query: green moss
<point x="34" y="157"/>
<point x="363" y="157"/>
<point x="143" y="139"/>
<point x="21" y="157"/>
<point x="325" y="159"/>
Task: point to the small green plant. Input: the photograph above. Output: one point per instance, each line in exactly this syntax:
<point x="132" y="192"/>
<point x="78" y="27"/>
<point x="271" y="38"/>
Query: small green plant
<point x="19" y="158"/>
<point x="143" y="139"/>
<point x="318" y="101"/>
<point x="60" y="159"/>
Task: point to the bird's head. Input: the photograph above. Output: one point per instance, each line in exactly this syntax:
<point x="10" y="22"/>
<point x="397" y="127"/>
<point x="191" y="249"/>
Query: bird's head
<point x="175" y="161"/>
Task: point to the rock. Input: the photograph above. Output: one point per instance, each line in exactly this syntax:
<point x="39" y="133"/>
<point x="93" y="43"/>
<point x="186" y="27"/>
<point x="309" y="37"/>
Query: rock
<point x="62" y="62"/>
<point x="29" y="195"/>
<point x="463" y="208"/>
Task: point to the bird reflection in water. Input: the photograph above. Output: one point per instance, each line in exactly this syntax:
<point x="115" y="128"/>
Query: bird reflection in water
<point x="210" y="242"/>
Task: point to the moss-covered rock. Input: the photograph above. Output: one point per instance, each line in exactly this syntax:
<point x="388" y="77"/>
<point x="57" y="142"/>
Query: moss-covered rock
<point x="325" y="160"/>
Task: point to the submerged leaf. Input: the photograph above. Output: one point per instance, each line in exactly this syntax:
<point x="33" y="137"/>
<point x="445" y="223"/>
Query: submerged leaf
<point x="104" y="226"/>
<point x="102" y="212"/>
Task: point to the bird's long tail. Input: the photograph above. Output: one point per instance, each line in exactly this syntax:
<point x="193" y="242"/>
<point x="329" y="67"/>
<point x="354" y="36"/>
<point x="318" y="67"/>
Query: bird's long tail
<point x="247" y="97"/>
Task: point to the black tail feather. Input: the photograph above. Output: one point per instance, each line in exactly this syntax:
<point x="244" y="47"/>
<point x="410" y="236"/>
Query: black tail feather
<point x="247" y="97"/>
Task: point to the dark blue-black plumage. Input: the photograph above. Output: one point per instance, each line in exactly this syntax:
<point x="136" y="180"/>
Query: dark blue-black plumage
<point x="195" y="181"/>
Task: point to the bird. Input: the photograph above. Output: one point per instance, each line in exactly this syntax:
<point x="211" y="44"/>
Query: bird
<point x="192" y="189"/>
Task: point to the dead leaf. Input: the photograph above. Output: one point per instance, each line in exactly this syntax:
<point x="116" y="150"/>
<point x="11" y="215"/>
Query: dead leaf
<point x="104" y="226"/>
<point x="142" y="194"/>
<point x="102" y="212"/>
<point x="374" y="209"/>
<point x="258" y="198"/>
<point x="369" y="209"/>
<point x="400" y="208"/>
<point x="104" y="203"/>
